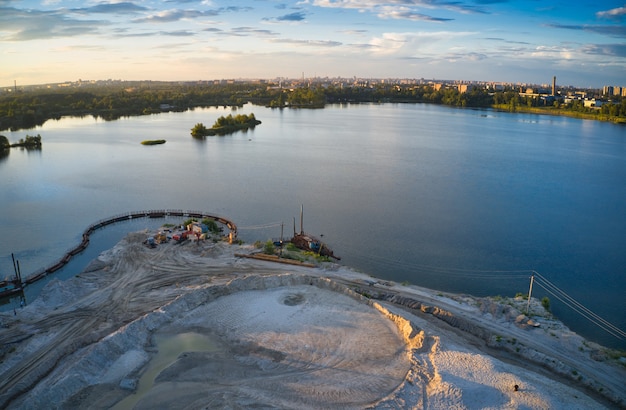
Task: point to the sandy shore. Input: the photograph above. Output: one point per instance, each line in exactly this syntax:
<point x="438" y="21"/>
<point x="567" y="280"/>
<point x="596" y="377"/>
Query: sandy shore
<point x="194" y="326"/>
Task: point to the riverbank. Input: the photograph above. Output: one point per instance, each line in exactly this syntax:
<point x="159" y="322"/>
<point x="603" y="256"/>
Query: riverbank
<point x="286" y="336"/>
<point x="561" y="112"/>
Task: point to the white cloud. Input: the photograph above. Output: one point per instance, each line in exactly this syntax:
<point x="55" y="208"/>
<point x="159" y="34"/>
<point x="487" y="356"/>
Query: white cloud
<point x="406" y="13"/>
<point x="555" y="52"/>
<point x="401" y="5"/>
<point x="616" y="13"/>
<point x="407" y="44"/>
<point x="317" y="43"/>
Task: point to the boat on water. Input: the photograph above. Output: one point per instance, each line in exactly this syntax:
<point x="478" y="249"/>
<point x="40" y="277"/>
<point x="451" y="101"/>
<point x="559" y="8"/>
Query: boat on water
<point x="309" y="242"/>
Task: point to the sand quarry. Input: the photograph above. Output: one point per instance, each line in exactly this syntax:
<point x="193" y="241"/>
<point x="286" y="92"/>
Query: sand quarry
<point x="193" y="326"/>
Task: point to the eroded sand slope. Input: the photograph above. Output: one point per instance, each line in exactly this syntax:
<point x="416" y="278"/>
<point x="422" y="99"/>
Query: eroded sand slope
<point x="280" y="336"/>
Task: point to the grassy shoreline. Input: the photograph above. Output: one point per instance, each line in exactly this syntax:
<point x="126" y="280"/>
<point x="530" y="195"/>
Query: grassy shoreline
<point x="559" y="112"/>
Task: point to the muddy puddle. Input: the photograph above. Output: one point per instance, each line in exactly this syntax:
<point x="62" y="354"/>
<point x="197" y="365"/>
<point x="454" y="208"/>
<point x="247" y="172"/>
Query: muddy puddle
<point x="169" y="347"/>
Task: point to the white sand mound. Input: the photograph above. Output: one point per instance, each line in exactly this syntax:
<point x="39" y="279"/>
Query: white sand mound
<point x="279" y="336"/>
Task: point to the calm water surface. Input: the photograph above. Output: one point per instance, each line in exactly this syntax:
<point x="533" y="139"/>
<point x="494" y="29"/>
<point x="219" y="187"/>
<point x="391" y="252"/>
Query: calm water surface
<point x="431" y="195"/>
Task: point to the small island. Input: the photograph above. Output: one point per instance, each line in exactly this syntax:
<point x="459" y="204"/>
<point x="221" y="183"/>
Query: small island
<point x="152" y="142"/>
<point x="226" y="125"/>
<point x="29" y="142"/>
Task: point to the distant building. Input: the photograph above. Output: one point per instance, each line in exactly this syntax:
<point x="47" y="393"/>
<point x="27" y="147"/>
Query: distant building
<point x="497" y="87"/>
<point x="610" y="90"/>
<point x="463" y="88"/>
<point x="592" y="103"/>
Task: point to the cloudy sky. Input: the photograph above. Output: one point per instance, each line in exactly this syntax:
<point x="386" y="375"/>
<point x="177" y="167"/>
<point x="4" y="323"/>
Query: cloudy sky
<point x="582" y="42"/>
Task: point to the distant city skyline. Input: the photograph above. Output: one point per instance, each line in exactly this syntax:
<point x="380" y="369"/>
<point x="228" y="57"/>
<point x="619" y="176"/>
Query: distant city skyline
<point x="515" y="41"/>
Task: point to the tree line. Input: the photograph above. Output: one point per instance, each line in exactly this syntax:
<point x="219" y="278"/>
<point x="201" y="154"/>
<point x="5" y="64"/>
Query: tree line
<point x="23" y="110"/>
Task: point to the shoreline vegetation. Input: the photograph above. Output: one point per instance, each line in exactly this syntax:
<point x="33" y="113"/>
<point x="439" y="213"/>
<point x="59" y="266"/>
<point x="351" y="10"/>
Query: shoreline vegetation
<point x="562" y="112"/>
<point x="226" y="125"/>
<point x="29" y="142"/>
<point x="27" y="109"/>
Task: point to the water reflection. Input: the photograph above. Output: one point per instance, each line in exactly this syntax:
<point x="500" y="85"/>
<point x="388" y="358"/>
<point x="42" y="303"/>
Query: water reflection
<point x="32" y="150"/>
<point x="397" y="194"/>
<point x="169" y="348"/>
<point x="4" y="147"/>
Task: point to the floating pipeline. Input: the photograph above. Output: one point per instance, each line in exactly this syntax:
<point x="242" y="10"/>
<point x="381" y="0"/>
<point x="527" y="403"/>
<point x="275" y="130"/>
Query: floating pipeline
<point x="160" y="213"/>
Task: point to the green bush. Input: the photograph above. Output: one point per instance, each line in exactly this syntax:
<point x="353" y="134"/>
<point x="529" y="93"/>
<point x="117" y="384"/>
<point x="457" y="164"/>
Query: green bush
<point x="212" y="225"/>
<point x="269" y="248"/>
<point x="545" y="302"/>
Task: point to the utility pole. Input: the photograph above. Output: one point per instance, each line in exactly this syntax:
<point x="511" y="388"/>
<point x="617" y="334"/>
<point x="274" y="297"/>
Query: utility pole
<point x="530" y="291"/>
<point x="14" y="266"/>
<point x="280" y="250"/>
<point x="19" y="274"/>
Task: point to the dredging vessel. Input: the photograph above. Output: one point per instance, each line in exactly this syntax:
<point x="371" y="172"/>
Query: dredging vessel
<point x="309" y="242"/>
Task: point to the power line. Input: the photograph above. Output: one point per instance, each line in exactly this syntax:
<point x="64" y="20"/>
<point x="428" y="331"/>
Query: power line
<point x="264" y="226"/>
<point x="618" y="333"/>
<point x="479" y="274"/>
<point x="578" y="307"/>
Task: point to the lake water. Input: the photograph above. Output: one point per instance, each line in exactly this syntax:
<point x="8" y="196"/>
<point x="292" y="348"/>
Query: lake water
<point x="452" y="199"/>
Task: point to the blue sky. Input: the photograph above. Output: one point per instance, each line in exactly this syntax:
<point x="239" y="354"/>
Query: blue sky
<point x="582" y="42"/>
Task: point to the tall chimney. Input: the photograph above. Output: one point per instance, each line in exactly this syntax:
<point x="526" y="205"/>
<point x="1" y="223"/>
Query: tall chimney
<point x="554" y="85"/>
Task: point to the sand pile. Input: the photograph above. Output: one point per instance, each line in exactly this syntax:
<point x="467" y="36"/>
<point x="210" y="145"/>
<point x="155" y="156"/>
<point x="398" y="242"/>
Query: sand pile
<point x="192" y="326"/>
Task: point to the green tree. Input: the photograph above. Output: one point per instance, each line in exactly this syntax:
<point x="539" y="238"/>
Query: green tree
<point x="199" y="131"/>
<point x="279" y="101"/>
